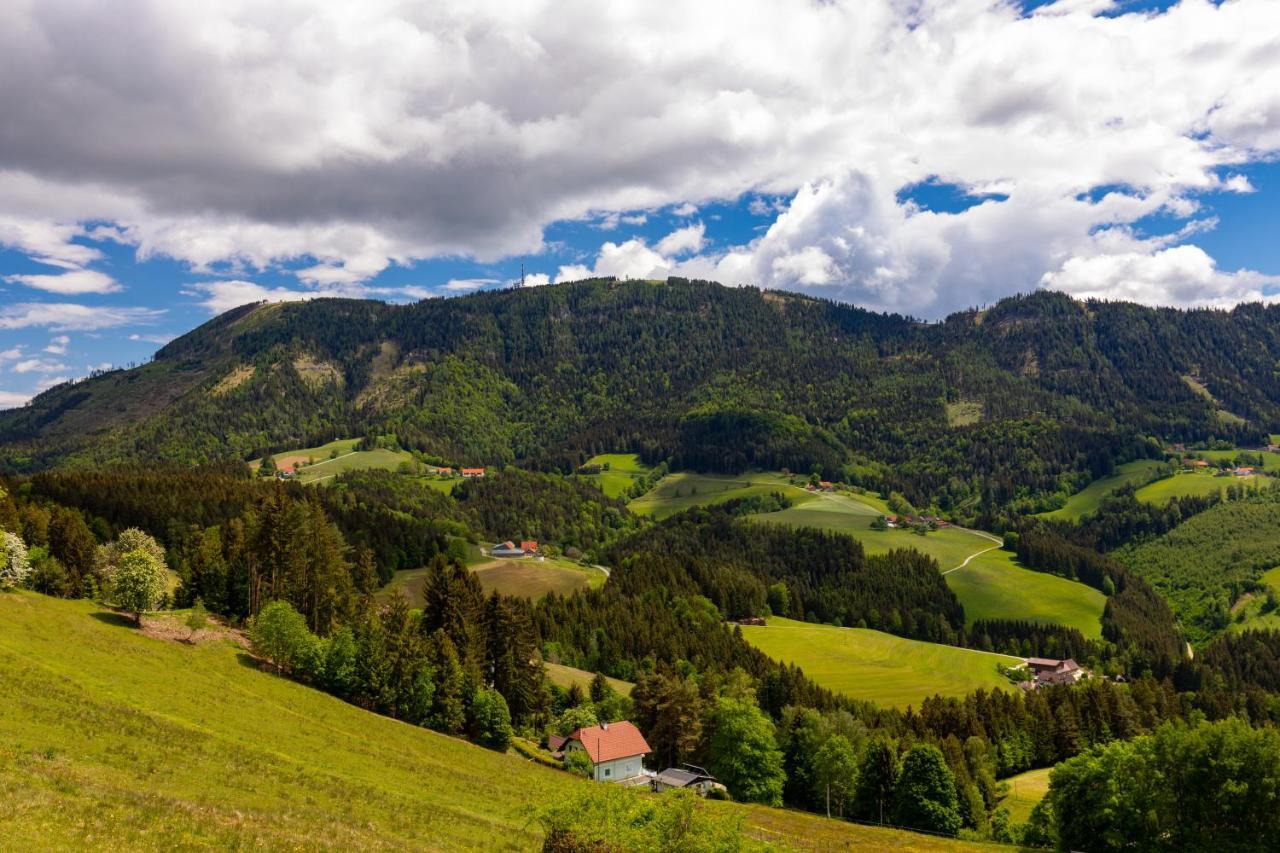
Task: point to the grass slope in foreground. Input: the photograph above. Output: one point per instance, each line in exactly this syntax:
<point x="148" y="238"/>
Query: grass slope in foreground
<point x="875" y="666"/>
<point x="112" y="739"/>
<point x="994" y="586"/>
<point x="1087" y="499"/>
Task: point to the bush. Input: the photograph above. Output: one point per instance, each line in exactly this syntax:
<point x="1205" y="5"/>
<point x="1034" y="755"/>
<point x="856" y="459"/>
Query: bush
<point x="14" y="565"/>
<point x="279" y="634"/>
<point x="137" y="582"/>
<point x="606" y="817"/>
<point x="490" y="720"/>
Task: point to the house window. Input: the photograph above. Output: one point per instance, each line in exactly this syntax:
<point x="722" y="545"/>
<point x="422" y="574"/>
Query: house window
<point x="607" y="771"/>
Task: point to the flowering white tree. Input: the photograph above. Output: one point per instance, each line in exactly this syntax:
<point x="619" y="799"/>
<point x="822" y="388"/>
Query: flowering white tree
<point x="14" y="566"/>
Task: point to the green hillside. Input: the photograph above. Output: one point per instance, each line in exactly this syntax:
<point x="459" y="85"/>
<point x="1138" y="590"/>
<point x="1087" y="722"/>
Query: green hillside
<point x="110" y="739"/>
<point x="994" y="586"/>
<point x="878" y="667"/>
<point x="1087" y="499"/>
<point x="1198" y="483"/>
<point x="677" y="492"/>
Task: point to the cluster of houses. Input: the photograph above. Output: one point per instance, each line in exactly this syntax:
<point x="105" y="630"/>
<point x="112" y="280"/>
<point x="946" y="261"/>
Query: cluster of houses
<point x="509" y="549"/>
<point x="1047" y="671"/>
<point x="822" y="486"/>
<point x="616" y="752"/>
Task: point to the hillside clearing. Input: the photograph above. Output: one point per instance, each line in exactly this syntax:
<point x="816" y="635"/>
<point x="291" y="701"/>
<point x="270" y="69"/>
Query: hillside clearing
<point x="1025" y="791"/>
<point x="1087" y="499"/>
<point x="878" y="667"/>
<point x="994" y="586"/>
<point x="1192" y="483"/>
<point x="533" y="578"/>
<point x="316" y="464"/>
<point x="567" y="676"/>
<point x="678" y="492"/>
<point x="623" y="471"/>
<point x="112" y="740"/>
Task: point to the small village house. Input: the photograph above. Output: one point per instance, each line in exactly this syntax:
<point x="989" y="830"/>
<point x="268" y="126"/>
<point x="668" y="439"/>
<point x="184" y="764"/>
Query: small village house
<point x="471" y="473"/>
<point x="615" y="750"/>
<point x="529" y="547"/>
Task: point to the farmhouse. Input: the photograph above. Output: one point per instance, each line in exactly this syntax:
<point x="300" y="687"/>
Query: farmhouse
<point x="529" y="547"/>
<point x="686" y="777"/>
<point x="507" y="549"/>
<point x="614" y="749"/>
<point x="470" y="473"/>
<point x="1244" y="472"/>
<point x="1051" y="671"/>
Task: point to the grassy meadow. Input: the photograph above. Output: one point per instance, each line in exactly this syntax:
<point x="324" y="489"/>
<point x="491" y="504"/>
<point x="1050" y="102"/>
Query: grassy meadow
<point x="677" y="492"/>
<point x="1087" y="499"/>
<point x="878" y="667"/>
<point x="1247" y="615"/>
<point x="530" y="578"/>
<point x="624" y="470"/>
<point x="1025" y="791"/>
<point x="111" y="739"/>
<point x="1200" y="482"/>
<point x="337" y="457"/>
<point x="994" y="586"/>
<point x="567" y="676"/>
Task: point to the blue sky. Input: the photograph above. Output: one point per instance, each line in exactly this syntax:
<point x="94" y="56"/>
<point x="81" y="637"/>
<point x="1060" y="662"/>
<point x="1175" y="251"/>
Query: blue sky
<point x="919" y="159"/>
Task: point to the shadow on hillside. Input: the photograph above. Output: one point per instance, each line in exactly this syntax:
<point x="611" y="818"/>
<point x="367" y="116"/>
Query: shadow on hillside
<point x="113" y="618"/>
<point x="250" y="662"/>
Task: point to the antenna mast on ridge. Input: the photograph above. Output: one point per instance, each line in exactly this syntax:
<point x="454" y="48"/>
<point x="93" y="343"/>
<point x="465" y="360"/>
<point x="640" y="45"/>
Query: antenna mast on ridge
<point x="522" y="273"/>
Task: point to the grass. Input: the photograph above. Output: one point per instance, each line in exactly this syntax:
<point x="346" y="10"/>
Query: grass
<point x="995" y="586"/>
<point x="319" y="463"/>
<point x="567" y="676"/>
<point x="1025" y="791"/>
<point x="624" y="470"/>
<point x="677" y="492"/>
<point x="1270" y="461"/>
<point x="1087" y="499"/>
<point x="1250" y="605"/>
<point x="110" y="739"/>
<point x="530" y="578"/>
<point x="964" y="413"/>
<point x="865" y="664"/>
<point x="853" y="516"/>
<point x="1185" y="483"/>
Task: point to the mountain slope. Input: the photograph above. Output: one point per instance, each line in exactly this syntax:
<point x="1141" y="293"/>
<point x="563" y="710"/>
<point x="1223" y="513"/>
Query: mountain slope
<point x="112" y="738"/>
<point x="1036" y="395"/>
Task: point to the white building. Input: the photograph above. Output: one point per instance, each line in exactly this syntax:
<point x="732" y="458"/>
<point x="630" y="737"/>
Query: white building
<point x="615" y="751"/>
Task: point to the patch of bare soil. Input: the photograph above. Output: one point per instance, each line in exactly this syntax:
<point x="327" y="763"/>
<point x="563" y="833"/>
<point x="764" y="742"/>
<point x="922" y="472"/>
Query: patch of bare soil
<point x="164" y="626"/>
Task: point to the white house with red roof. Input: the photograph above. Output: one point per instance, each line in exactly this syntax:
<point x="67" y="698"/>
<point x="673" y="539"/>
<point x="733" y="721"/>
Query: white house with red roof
<point x="615" y="751"/>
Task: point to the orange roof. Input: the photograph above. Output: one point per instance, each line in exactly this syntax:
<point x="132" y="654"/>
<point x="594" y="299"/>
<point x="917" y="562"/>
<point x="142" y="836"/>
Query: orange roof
<point x="611" y="741"/>
<point x="528" y="544"/>
<point x="473" y="470"/>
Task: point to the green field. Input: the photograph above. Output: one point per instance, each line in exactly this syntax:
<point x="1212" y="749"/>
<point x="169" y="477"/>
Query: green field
<point x="994" y="586"/>
<point x="1270" y="461"/>
<point x="110" y="739"/>
<point x="1025" y="791"/>
<point x="1087" y="499"/>
<point x="678" y="492"/>
<point x="319" y="463"/>
<point x="532" y="578"/>
<point x="853" y="516"/>
<point x="1253" y="619"/>
<point x="624" y="470"/>
<point x="1187" y="483"/>
<point x="567" y="676"/>
<point x="878" y="667"/>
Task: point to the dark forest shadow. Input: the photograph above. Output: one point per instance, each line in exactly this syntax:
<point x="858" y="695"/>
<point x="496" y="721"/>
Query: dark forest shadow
<point x="112" y="618"/>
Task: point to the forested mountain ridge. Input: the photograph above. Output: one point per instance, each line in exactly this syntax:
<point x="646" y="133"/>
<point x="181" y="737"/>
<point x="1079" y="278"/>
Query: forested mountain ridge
<point x="1033" y="396"/>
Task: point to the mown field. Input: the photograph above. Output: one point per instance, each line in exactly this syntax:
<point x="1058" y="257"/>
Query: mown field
<point x="567" y="676"/>
<point x="881" y="668"/>
<point x="110" y="739"/>
<point x="337" y="457"/>
<point x="995" y="586"/>
<point x="1025" y="791"/>
<point x="1188" y="483"/>
<point x="529" y="578"/>
<point x="1087" y="499"/>
<point x="624" y="470"/>
<point x="677" y="492"/>
<point x="1247" y="615"/>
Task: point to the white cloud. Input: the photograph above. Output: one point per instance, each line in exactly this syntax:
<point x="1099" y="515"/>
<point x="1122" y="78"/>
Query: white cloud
<point x="71" y="317"/>
<point x="58" y="345"/>
<point x="152" y="339"/>
<point x="50" y="381"/>
<point x="70" y="283"/>
<point x="635" y="219"/>
<point x="688" y="239"/>
<point x="467" y="285"/>
<point x="13" y="399"/>
<point x="11" y="353"/>
<point x="353" y="137"/>
<point x="38" y="365"/>
<point x="220" y="296"/>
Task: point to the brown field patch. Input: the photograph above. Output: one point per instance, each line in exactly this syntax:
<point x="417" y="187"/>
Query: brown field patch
<point x="529" y="578"/>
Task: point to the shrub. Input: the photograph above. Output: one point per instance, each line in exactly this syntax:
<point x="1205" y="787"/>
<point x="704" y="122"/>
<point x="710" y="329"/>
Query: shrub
<point x="14" y="565"/>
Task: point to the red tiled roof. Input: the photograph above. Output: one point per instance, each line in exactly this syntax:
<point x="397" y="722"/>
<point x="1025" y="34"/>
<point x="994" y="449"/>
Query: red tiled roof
<point x="473" y="470"/>
<point x="554" y="742"/>
<point x="611" y="740"/>
<point x="528" y="544"/>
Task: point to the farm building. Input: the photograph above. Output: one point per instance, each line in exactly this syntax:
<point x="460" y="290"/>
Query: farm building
<point x="529" y="547"/>
<point x="614" y="749"/>
<point x="507" y="549"/>
<point x="1051" y="671"/>
<point x="686" y="777"/>
<point x="470" y="473"/>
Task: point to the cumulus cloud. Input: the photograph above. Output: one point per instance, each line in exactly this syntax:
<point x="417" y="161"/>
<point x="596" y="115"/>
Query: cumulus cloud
<point x="220" y="296"/>
<point x="58" y="345"/>
<point x="688" y="239"/>
<point x="38" y="365"/>
<point x="72" y="317"/>
<point x="70" y="283"/>
<point x="353" y="137"/>
<point x="152" y="339"/>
